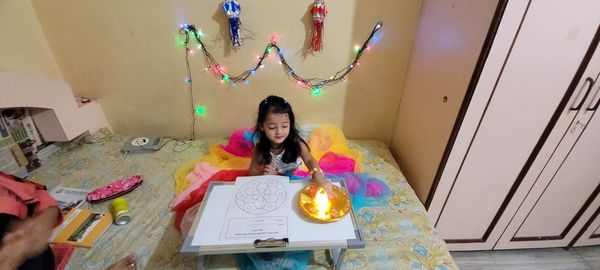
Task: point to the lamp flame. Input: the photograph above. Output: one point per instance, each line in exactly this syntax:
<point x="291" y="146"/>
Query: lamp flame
<point x="322" y="203"/>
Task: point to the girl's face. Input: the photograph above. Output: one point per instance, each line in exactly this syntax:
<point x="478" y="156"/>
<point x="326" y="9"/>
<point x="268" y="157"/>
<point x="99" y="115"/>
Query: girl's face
<point x="276" y="127"/>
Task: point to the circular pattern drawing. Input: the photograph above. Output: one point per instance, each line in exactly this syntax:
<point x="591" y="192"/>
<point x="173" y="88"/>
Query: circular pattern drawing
<point x="261" y="196"/>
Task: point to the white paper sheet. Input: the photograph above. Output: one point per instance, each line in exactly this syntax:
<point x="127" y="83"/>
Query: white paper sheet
<point x="256" y="228"/>
<point x="256" y="209"/>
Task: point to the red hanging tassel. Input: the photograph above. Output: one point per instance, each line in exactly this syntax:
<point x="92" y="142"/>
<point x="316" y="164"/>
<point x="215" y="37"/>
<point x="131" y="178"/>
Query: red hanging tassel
<point x="318" y="11"/>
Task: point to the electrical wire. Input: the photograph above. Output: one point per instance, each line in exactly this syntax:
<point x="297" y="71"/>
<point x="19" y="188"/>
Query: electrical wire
<point x="191" y="91"/>
<point x="312" y="83"/>
<point x="178" y="143"/>
<point x="315" y="84"/>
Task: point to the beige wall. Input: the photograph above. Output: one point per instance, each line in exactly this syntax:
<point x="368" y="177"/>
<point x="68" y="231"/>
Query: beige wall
<point x="124" y="53"/>
<point x="449" y="39"/>
<point x="24" y="47"/>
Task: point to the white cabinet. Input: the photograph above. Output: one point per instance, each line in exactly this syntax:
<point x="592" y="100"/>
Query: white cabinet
<point x="558" y="193"/>
<point x="590" y="234"/>
<point x="522" y="167"/>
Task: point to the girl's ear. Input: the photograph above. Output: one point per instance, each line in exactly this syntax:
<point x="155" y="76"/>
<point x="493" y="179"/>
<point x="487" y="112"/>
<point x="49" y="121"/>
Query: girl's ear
<point x="261" y="128"/>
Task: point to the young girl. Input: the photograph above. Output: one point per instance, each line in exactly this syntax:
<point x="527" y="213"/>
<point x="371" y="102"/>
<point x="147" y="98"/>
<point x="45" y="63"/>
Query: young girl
<point x="280" y="149"/>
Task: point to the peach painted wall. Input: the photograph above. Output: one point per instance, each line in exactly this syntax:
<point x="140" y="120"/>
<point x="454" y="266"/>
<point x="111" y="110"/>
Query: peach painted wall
<point x="24" y="47"/>
<point x="124" y="53"/>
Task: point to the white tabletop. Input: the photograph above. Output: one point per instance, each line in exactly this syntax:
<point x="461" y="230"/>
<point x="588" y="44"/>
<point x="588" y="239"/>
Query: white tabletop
<point x="303" y="233"/>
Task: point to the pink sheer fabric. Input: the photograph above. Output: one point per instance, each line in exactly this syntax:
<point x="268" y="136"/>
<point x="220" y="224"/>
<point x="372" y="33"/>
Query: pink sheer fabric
<point x="240" y="143"/>
<point x="333" y="163"/>
<point x="201" y="172"/>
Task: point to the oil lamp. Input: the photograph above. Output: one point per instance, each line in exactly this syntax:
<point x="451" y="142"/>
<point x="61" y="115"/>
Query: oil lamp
<point x="317" y="205"/>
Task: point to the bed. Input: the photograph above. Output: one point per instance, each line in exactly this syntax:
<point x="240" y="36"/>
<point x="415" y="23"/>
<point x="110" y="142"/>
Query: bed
<point x="399" y="235"/>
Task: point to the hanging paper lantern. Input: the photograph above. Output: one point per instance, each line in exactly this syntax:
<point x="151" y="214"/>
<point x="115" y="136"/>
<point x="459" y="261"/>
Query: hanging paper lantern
<point x="232" y="9"/>
<point x="318" y="11"/>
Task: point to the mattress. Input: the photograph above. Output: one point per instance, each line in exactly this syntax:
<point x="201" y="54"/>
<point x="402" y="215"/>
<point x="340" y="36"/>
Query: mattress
<point x="399" y="235"/>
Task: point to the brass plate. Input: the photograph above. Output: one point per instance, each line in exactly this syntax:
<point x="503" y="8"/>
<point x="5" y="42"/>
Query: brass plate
<point x="339" y="204"/>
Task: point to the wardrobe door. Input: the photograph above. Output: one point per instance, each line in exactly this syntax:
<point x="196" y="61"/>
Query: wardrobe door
<point x="590" y="233"/>
<point x="564" y="195"/>
<point x="551" y="40"/>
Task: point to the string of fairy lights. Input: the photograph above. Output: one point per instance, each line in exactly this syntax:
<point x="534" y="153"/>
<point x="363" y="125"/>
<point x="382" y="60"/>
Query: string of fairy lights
<point x="190" y="32"/>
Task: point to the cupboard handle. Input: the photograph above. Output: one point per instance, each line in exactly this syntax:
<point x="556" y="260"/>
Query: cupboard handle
<point x="595" y="106"/>
<point x="587" y="93"/>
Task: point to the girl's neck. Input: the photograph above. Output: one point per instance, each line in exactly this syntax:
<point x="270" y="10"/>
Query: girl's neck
<point x="276" y="149"/>
<point x="276" y="146"/>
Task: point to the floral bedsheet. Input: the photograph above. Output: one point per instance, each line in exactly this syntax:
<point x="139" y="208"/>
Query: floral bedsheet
<point x="399" y="235"/>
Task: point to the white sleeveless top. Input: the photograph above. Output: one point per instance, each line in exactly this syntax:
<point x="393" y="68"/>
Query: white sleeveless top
<point x="283" y="167"/>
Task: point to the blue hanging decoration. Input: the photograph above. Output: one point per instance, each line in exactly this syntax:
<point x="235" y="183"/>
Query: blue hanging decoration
<point x="232" y="9"/>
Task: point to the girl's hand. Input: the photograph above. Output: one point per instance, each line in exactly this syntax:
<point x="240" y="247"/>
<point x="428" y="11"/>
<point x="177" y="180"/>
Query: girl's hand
<point x="270" y="169"/>
<point x="326" y="185"/>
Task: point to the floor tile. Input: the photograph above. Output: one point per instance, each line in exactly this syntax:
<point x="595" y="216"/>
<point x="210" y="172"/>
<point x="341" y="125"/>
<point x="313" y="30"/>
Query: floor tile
<point x="549" y="259"/>
<point x="472" y="260"/>
<point x="590" y="254"/>
<point x="530" y="259"/>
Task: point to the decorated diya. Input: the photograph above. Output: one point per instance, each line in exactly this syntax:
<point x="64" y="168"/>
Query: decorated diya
<point x="315" y="203"/>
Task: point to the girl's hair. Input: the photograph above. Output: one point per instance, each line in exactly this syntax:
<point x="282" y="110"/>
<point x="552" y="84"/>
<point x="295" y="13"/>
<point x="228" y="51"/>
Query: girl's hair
<point x="291" y="144"/>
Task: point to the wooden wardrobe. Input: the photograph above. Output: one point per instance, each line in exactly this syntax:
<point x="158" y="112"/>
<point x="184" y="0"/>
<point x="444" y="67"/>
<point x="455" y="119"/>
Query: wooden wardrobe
<point x="521" y="166"/>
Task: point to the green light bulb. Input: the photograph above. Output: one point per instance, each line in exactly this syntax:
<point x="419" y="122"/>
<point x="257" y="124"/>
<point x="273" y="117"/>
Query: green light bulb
<point x="200" y="110"/>
<point x="316" y="91"/>
<point x="225" y="78"/>
<point x="179" y="41"/>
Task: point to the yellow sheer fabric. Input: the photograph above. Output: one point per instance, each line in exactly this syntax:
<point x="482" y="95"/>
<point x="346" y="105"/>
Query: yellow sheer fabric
<point x="329" y="138"/>
<point x="323" y="139"/>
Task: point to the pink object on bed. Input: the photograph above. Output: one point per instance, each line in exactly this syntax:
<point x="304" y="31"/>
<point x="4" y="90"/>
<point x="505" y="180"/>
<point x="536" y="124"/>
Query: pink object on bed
<point x="115" y="189"/>
<point x="333" y="163"/>
<point x="239" y="144"/>
<point x="184" y="195"/>
<point x="353" y="183"/>
<point x="364" y="184"/>
<point x="375" y="189"/>
<point x="201" y="172"/>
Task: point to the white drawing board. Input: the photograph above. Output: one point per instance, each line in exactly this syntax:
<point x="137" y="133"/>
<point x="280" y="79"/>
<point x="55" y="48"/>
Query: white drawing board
<point x="301" y="231"/>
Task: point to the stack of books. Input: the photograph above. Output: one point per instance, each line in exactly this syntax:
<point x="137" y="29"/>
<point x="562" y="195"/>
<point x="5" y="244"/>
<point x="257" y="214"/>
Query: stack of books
<point x="22" y="149"/>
